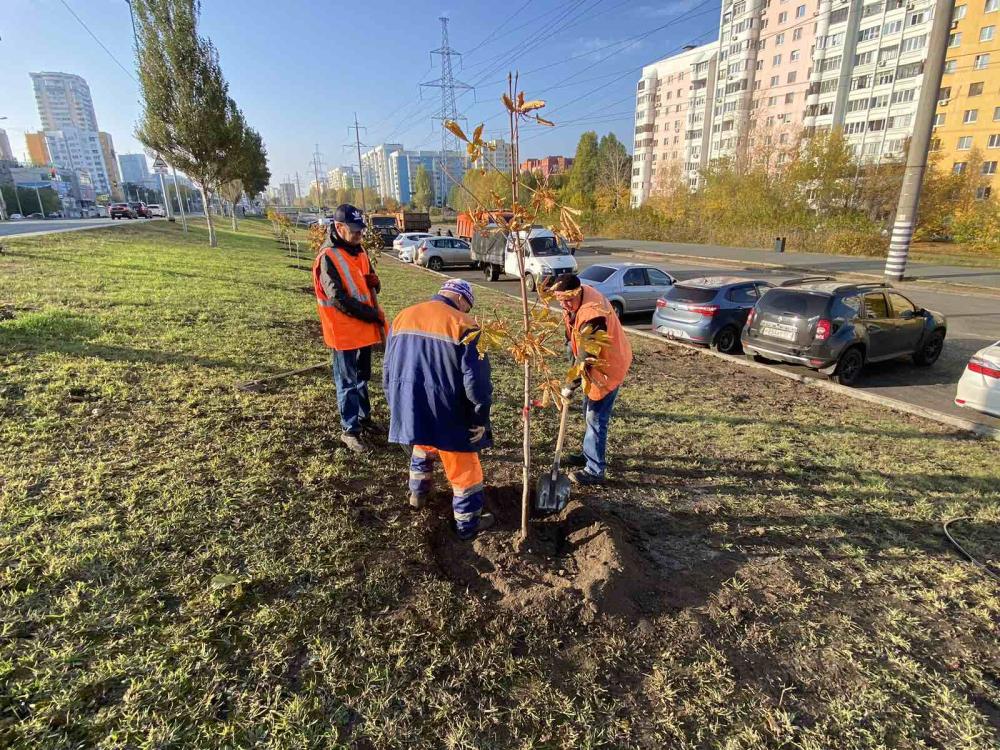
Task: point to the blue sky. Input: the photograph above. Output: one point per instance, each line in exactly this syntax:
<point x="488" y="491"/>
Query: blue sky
<point x="300" y="69"/>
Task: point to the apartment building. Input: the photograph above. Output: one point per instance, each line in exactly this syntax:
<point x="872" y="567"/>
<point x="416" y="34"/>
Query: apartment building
<point x="500" y="153"/>
<point x="867" y="73"/>
<point x="445" y="168"/>
<point x="376" y="168"/>
<point x="673" y="119"/>
<point x="341" y="178"/>
<point x="968" y="111"/>
<point x="5" y="153"/>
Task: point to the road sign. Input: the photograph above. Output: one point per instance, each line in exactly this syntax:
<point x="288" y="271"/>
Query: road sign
<point x="159" y="166"/>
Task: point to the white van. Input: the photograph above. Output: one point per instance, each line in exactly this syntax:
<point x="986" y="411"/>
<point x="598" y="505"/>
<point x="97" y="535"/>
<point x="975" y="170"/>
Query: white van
<point x="545" y="256"/>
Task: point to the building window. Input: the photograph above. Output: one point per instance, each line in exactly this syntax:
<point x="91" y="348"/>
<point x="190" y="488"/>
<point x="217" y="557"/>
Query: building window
<point x="955" y="39"/>
<point x="797" y="34"/>
<point x="996" y="114"/>
<point x="970" y="116"/>
<point x="779" y="39"/>
<point x="864" y="58"/>
<point x="939" y="119"/>
<point x="986" y="33"/>
<point x="994" y="141"/>
<point x="958" y="167"/>
<point x="870" y="33"/>
<point x="907" y="95"/>
<point x="792" y="75"/>
<point x="959" y="13"/>
<point x="789" y="98"/>
<point x="918" y="18"/>
<point x="965" y="143"/>
<point x="914" y="43"/>
<point x="776" y="60"/>
<point x="981" y="62"/>
<point x="950" y="66"/>
<point x="852" y="128"/>
<point x="783" y="16"/>
<point x="992" y="6"/>
<point x="892" y="27"/>
<point x="976" y="89"/>
<point x="800" y="11"/>
<point x="771" y="101"/>
<point x="989" y="167"/>
<point x="983" y="192"/>
<point x="900" y="121"/>
<point x="775" y="80"/>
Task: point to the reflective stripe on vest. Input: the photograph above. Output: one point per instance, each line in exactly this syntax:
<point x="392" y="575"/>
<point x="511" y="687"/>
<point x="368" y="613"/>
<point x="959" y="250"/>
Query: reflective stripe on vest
<point x="345" y="274"/>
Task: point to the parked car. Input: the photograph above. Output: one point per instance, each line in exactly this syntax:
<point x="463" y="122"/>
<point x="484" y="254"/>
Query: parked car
<point x="54" y="215"/>
<point x="629" y="287"/>
<point x="155" y="209"/>
<point x="545" y="255"/>
<point x="385" y="225"/>
<point x="101" y="212"/>
<point x="710" y="310"/>
<point x="36" y="216"/>
<point x="16" y="217"/>
<point x="122" y="211"/>
<point x="437" y="252"/>
<point x="837" y="328"/>
<point x="979" y="386"/>
<point x="141" y="209"/>
<point x="405" y="245"/>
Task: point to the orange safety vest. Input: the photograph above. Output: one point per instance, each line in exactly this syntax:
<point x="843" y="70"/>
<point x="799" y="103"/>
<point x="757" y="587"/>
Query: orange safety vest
<point x="616" y="356"/>
<point x="340" y="331"/>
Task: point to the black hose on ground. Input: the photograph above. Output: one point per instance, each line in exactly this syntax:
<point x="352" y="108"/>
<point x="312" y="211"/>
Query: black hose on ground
<point x="961" y="549"/>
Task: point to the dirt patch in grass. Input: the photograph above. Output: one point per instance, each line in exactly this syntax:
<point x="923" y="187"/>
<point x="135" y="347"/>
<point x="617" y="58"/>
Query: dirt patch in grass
<point x="585" y="563"/>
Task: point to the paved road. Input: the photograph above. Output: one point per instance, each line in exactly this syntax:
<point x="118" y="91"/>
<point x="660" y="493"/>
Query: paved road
<point x="973" y="322"/>
<point x="49" y="226"/>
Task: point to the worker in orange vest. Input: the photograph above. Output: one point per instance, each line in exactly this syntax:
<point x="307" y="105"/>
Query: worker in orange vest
<point x="353" y="323"/>
<point x="585" y="306"/>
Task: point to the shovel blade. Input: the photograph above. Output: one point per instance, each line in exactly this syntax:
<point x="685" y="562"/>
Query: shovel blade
<point x="551" y="495"/>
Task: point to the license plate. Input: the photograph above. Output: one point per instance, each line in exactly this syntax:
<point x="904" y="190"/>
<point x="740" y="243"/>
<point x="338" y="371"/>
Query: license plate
<point x="674" y="333"/>
<point x="778" y="333"/>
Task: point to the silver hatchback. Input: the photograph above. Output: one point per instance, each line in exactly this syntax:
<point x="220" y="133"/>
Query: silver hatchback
<point x="629" y="287"/>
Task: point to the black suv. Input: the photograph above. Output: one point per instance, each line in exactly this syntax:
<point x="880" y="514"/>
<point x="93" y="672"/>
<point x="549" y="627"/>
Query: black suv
<point x="836" y="327"/>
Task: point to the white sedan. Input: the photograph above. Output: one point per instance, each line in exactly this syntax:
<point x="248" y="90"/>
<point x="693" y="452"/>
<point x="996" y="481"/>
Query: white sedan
<point x="155" y="209"/>
<point x="979" y="386"/>
<point x="405" y="245"/>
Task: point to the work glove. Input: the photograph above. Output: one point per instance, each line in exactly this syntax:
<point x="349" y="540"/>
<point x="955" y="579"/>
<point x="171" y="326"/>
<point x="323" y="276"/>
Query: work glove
<point x="373" y="282"/>
<point x="476" y="433"/>
<point x="568" y="390"/>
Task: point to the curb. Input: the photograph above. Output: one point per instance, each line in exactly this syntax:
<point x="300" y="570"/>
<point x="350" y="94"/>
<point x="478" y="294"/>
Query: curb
<point x="980" y="430"/>
<point x="955" y="287"/>
<point x="43" y="232"/>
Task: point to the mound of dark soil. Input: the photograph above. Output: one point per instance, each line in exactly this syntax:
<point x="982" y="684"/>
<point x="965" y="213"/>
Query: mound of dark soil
<point x="580" y="562"/>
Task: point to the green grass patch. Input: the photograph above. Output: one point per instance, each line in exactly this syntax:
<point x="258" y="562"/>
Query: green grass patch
<point x="185" y="564"/>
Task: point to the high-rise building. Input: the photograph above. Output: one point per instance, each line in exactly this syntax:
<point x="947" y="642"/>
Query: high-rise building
<point x="376" y="169"/>
<point x="5" y="153"/>
<point x="135" y="169"/>
<point x="673" y="119"/>
<point x="968" y="111"/>
<point x="288" y="192"/>
<point x="341" y="178"/>
<point x="445" y="173"/>
<point x="111" y="164"/>
<point x="500" y="153"/>
<point x="64" y="101"/>
<point x="69" y="124"/>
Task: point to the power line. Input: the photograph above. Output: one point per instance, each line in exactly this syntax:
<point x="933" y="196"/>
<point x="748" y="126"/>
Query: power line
<point x="94" y="36"/>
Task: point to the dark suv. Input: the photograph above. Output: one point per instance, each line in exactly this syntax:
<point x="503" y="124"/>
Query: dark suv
<point x="122" y="211"/>
<point x="140" y="209"/>
<point x="837" y="328"/>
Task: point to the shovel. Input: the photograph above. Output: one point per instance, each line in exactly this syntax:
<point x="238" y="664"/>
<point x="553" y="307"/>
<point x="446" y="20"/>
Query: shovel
<point x="552" y="491"/>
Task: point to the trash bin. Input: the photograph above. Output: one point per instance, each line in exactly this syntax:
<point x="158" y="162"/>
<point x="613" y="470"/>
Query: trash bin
<point x="779" y="244"/>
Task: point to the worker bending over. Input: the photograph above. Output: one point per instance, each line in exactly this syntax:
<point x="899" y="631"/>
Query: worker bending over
<point x="585" y="306"/>
<point x="439" y="394"/>
<point x="352" y="320"/>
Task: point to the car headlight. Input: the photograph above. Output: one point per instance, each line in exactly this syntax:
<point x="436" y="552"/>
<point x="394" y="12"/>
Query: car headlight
<point x="546" y="268"/>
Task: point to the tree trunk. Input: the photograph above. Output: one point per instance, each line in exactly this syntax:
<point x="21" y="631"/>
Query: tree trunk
<point x="212" y="239"/>
<point x="236" y="227"/>
<point x="526" y="412"/>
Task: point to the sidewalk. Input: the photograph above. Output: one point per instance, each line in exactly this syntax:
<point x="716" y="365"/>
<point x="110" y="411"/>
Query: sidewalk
<point x="983" y="278"/>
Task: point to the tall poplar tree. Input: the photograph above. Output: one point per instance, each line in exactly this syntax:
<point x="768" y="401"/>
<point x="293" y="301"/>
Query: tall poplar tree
<point x="423" y="188"/>
<point x="583" y="174"/>
<point x="188" y="117"/>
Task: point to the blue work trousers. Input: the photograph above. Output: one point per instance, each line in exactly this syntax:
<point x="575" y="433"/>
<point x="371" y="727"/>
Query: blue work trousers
<point x="595" y="440"/>
<point x="352" y="370"/>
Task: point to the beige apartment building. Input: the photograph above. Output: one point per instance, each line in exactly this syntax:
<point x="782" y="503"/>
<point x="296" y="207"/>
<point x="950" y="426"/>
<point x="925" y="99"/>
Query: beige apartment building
<point x="673" y="114"/>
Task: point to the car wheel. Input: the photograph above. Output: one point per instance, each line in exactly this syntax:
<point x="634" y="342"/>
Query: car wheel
<point x="726" y="341"/>
<point x="435" y="264"/>
<point x="529" y="282"/>
<point x="619" y="310"/>
<point x="849" y="367"/>
<point x="929" y="352"/>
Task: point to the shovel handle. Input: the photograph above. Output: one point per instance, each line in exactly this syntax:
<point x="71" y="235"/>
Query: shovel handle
<point x="563" y="419"/>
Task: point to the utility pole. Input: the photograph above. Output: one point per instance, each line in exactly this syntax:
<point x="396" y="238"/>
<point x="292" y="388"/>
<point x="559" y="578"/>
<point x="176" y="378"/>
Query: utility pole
<point x="449" y="109"/>
<point x="916" y="156"/>
<point x="180" y="202"/>
<point x="298" y="187"/>
<point x="357" y="143"/>
<point x="317" y="164"/>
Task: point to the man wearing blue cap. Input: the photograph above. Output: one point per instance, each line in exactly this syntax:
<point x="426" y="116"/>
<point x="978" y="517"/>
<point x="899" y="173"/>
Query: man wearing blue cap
<point x="353" y="323"/>
<point x="439" y="394"/>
